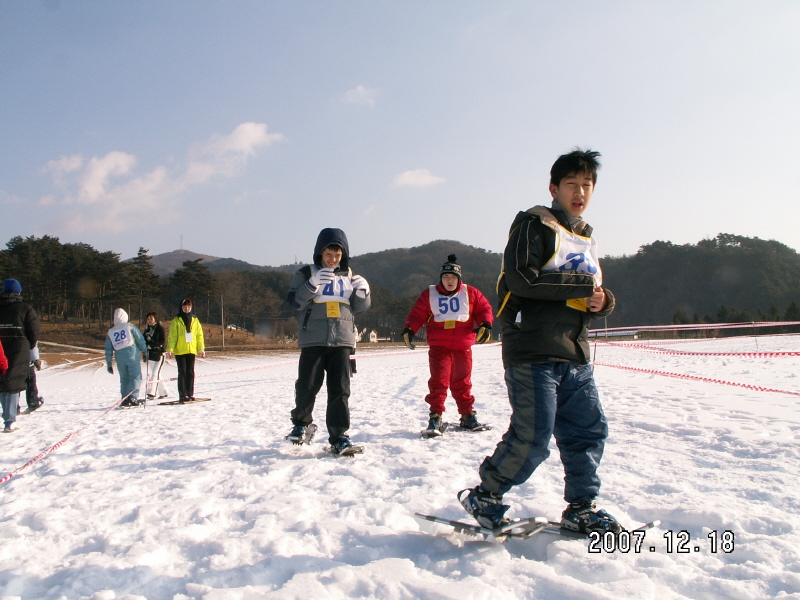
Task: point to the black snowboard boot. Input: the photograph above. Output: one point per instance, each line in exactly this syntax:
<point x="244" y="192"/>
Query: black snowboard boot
<point x="584" y="518"/>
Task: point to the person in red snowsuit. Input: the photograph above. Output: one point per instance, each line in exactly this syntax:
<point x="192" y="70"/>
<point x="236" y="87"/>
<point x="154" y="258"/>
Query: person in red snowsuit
<point x="456" y="316"/>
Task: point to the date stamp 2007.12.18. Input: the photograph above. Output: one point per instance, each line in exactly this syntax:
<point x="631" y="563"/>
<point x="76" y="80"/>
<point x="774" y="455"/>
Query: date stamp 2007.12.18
<point x="671" y="542"/>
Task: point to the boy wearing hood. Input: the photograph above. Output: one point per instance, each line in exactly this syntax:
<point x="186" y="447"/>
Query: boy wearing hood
<point x="456" y="316"/>
<point x="19" y="332"/>
<point x="327" y="295"/>
<point x="185" y="341"/>
<point x="550" y="288"/>
<point x="124" y="339"/>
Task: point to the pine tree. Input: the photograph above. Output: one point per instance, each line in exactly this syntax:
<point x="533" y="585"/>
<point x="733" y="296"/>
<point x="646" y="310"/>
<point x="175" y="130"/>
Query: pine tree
<point x="143" y="281"/>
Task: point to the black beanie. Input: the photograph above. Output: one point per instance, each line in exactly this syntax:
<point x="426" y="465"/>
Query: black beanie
<point x="451" y="266"/>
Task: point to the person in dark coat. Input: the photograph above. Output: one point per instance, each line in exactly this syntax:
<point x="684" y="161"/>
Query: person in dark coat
<point x="551" y="289"/>
<point x="19" y="332"/>
<point x="155" y="338"/>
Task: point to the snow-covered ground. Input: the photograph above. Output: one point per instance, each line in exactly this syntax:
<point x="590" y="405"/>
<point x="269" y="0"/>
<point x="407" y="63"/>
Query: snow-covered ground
<point x="207" y="501"/>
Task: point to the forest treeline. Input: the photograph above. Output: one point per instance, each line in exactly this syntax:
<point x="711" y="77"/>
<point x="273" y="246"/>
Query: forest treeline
<point x="725" y="279"/>
<point x="729" y="278"/>
<point x="75" y="282"/>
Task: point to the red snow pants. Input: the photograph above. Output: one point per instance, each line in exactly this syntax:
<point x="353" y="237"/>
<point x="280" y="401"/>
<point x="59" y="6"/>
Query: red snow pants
<point x="453" y="369"/>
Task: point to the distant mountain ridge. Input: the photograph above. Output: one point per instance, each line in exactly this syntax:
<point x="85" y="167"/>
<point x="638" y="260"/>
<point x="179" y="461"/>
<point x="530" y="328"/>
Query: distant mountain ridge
<point x="402" y="271"/>
<point x="662" y="282"/>
<point x="167" y="263"/>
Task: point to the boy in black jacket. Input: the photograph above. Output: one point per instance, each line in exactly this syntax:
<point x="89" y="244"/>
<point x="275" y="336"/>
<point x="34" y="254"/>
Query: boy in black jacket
<point x="19" y="332"/>
<point x="550" y="290"/>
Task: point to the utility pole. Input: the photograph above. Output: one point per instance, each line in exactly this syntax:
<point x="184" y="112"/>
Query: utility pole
<point x="222" y="317"/>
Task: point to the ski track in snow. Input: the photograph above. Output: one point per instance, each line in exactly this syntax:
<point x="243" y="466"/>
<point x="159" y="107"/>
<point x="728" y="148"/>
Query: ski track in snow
<point x="209" y="502"/>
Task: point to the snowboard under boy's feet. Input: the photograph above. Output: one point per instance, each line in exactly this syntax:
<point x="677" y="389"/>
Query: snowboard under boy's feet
<point x="184" y="401"/>
<point x="32" y="406"/>
<point x="583" y="518"/>
<point x="302" y="434"/>
<point x="518" y="529"/>
<point x="485" y="507"/>
<point x="469" y="422"/>
<point x="344" y="447"/>
<point x="435" y="426"/>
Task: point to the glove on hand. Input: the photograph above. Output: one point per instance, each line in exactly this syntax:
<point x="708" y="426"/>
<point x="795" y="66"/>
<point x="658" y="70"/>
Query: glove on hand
<point x="408" y="335"/>
<point x="483" y="333"/>
<point x="37" y="364"/>
<point x="321" y="277"/>
<point x="359" y="283"/>
<point x="110" y="369"/>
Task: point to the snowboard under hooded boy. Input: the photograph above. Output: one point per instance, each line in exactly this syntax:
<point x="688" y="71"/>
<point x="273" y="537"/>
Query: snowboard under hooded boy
<point x="124" y="340"/>
<point x="327" y="296"/>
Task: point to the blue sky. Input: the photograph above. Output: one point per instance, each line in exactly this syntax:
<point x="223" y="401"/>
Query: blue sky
<point x="244" y="127"/>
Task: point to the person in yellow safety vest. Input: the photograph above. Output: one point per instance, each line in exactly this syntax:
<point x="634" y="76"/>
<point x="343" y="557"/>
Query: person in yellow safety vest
<point x="185" y="342"/>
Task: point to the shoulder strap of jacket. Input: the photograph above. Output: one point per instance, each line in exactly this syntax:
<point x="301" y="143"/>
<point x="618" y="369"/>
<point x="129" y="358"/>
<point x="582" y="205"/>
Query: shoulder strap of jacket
<point x="306" y="271"/>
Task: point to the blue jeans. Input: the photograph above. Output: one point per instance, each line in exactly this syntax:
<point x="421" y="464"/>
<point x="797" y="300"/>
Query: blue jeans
<point x="550" y="399"/>
<point x="10" y="401"/>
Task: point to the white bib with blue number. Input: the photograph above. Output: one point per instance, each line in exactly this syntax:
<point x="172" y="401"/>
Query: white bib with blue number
<point x="575" y="253"/>
<point x="338" y="290"/>
<point x="450" y="308"/>
<point x="120" y="336"/>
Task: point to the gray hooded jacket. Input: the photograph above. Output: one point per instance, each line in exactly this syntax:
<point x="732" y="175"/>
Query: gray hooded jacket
<point x="315" y="327"/>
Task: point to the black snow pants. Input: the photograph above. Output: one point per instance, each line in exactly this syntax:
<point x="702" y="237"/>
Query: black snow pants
<point x="185" y="375"/>
<point x="315" y="362"/>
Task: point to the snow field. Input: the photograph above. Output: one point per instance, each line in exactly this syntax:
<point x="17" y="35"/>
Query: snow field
<point x="207" y="501"/>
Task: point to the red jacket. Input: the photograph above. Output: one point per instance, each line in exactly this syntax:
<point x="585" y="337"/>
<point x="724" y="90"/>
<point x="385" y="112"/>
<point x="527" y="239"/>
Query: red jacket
<point x="3" y="361"/>
<point x="462" y="335"/>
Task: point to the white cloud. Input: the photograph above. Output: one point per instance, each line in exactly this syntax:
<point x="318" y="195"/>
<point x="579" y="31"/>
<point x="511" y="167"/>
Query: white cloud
<point x="94" y="179"/>
<point x="65" y="164"/>
<point x="104" y="192"/>
<point x="360" y="95"/>
<point x="418" y="178"/>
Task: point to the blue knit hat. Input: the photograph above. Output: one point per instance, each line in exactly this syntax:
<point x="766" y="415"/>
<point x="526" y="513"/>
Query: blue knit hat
<point x="11" y="286"/>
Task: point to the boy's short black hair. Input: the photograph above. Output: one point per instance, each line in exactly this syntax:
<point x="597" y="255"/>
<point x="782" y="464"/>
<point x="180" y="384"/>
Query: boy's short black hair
<point x="577" y="161"/>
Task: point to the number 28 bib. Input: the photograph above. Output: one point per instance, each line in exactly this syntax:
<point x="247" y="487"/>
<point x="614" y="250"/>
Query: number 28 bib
<point x="120" y="336"/>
